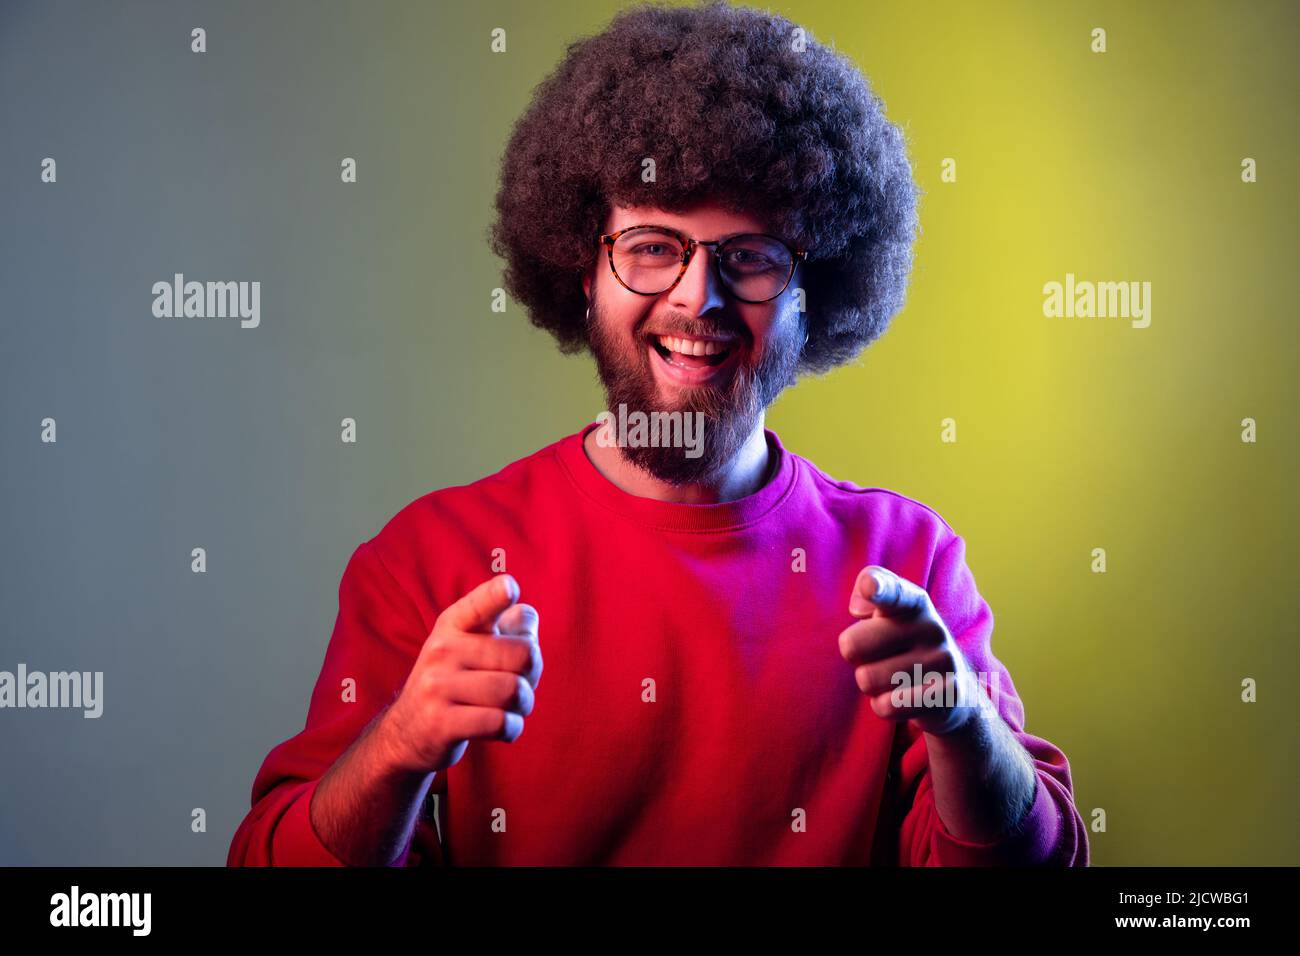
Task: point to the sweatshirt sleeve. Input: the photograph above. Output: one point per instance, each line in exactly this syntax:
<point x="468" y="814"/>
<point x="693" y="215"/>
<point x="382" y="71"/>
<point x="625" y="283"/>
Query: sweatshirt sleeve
<point x="377" y="635"/>
<point x="1051" y="833"/>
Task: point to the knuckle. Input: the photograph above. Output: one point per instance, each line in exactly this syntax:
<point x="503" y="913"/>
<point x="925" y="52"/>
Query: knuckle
<point x="883" y="676"/>
<point x="933" y="633"/>
<point x="506" y="691"/>
<point x="429" y="683"/>
<point x="526" y="696"/>
<point x="519" y="690"/>
<point x="863" y="677"/>
<point x="440" y="646"/>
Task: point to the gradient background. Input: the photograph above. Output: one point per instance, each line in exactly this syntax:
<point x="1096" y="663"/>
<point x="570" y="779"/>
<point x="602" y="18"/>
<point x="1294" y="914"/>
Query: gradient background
<point x="1073" y="433"/>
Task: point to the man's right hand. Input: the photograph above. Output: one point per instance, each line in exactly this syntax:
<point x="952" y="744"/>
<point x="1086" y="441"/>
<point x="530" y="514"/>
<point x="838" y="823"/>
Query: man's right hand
<point x="473" y="679"/>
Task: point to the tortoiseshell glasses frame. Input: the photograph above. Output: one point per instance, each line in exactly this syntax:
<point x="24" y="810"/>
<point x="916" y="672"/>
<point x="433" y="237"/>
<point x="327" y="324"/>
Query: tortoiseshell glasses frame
<point x="690" y="244"/>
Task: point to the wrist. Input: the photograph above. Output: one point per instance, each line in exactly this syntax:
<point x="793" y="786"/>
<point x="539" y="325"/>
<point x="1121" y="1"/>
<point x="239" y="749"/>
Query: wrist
<point x="966" y="723"/>
<point x="390" y="752"/>
<point x="972" y="735"/>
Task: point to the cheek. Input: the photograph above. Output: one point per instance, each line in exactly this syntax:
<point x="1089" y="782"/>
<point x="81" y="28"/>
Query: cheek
<point x="619" y="325"/>
<point x="769" y="331"/>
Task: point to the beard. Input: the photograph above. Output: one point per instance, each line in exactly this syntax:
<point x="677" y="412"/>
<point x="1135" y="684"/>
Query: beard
<point x="728" y="412"/>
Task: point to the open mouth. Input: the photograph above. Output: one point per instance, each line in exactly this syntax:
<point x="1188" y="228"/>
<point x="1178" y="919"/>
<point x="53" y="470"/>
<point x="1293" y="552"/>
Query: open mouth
<point x="692" y="353"/>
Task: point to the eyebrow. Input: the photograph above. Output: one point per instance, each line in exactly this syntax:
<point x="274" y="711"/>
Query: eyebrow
<point x="660" y="225"/>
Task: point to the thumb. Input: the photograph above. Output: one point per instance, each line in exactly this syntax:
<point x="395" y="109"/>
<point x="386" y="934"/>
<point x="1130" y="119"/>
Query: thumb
<point x="519" y="620"/>
<point x="879" y="590"/>
<point x="478" y="610"/>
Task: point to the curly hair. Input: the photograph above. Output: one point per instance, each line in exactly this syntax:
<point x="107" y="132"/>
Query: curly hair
<point x="733" y="111"/>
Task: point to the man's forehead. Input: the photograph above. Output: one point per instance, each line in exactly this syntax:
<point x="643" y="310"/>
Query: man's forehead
<point x="698" y="221"/>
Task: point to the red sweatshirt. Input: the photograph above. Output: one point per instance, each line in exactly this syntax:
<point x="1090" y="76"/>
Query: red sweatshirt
<point x="694" y="708"/>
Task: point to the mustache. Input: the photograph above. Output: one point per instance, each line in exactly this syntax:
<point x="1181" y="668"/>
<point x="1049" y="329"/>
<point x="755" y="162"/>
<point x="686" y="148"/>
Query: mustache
<point x="694" y="327"/>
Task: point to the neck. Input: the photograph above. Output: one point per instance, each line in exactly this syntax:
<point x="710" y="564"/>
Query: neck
<point x="748" y="471"/>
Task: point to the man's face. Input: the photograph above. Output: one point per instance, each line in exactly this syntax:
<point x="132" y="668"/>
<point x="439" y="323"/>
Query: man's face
<point x="630" y="333"/>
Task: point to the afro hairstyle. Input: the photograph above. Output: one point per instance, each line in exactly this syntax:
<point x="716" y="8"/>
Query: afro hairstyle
<point x="736" y="106"/>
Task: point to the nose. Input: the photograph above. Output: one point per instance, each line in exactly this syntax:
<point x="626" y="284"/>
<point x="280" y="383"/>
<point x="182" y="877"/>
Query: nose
<point x="700" y="289"/>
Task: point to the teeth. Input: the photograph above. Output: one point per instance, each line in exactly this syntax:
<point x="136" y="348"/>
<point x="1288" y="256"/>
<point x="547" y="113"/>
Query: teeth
<point x="692" y="346"/>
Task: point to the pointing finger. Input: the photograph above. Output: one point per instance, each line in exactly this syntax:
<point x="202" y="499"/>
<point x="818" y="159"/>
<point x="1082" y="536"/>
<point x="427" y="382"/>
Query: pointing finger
<point x="879" y="590"/>
<point x="478" y="610"/>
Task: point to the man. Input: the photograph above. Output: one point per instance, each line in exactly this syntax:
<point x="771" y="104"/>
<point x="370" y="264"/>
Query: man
<point x="748" y="662"/>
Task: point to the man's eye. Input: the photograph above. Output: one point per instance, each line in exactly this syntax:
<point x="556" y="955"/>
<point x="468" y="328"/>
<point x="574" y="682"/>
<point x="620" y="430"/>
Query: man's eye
<point x="648" y="249"/>
<point x="750" y="261"/>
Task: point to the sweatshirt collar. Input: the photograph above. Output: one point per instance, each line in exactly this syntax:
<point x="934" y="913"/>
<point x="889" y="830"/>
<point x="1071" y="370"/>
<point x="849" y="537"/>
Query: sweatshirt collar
<point x="671" y="515"/>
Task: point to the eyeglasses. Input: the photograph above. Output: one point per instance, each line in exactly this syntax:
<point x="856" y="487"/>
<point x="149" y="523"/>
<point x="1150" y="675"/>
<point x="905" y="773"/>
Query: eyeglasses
<point x="650" y="260"/>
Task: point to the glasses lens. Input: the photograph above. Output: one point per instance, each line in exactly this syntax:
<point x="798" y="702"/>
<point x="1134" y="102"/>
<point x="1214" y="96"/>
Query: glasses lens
<point x="647" y="259"/>
<point x="755" y="267"/>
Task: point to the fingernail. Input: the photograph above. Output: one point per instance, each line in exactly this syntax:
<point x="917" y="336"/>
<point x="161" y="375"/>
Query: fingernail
<point x="883" y="586"/>
<point x="857" y="603"/>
